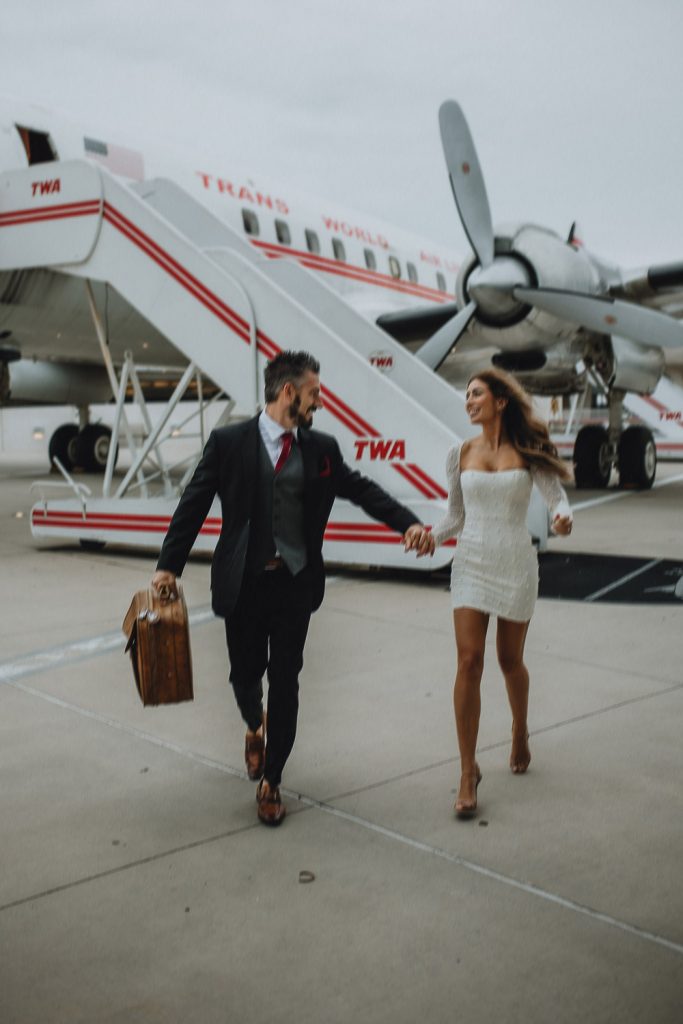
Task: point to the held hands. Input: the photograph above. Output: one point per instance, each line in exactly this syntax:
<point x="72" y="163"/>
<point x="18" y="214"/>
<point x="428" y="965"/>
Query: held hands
<point x="418" y="538"/>
<point x="562" y="525"/>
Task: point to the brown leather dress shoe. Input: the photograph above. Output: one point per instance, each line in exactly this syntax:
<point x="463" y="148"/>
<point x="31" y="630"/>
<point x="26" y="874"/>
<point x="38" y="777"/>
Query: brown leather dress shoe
<point x="255" y="751"/>
<point x="270" y="809"/>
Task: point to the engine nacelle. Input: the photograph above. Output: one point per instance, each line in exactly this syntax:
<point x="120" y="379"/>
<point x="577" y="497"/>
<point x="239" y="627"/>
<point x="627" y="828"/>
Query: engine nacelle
<point x="635" y="367"/>
<point x="553" y="371"/>
<point x="543" y="260"/>
<point x="37" y="383"/>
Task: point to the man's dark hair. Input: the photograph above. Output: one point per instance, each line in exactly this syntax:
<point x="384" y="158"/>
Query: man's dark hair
<point x="287" y="367"/>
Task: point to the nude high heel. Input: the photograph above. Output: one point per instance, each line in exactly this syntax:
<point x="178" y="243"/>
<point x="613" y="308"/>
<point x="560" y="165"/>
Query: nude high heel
<point x="468" y="808"/>
<point x="519" y="766"/>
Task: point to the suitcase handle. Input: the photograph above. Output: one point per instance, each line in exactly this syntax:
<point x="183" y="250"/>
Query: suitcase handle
<point x="165" y="592"/>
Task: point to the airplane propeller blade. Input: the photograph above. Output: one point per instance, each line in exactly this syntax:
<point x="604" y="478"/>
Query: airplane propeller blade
<point x="434" y="351"/>
<point x="467" y="181"/>
<point x="608" y="316"/>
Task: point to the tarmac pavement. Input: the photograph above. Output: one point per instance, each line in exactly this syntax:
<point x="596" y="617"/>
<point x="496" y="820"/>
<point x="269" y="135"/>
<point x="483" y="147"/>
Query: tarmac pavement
<point x="136" y="884"/>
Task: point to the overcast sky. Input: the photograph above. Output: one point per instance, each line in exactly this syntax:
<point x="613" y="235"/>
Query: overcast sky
<point x="575" y="105"/>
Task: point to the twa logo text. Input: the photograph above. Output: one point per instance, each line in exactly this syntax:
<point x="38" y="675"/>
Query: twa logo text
<point x="46" y="188"/>
<point x="382" y="449"/>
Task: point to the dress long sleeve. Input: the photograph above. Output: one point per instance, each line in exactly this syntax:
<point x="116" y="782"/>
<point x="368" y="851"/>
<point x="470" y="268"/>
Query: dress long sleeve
<point x="454" y="520"/>
<point x="552" y="492"/>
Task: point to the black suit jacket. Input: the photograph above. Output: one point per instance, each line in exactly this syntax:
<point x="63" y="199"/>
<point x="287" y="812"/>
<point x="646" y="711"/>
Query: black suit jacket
<point x="229" y="468"/>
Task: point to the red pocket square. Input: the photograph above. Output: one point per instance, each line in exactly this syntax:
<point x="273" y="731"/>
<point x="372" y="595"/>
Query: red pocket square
<point x="325" y="467"/>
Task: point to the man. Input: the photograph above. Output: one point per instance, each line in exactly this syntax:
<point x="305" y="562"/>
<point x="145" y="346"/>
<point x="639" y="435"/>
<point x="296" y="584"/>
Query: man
<point x="277" y="480"/>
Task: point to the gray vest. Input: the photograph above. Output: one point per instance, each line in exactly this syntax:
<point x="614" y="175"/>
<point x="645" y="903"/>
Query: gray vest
<point x="278" y="519"/>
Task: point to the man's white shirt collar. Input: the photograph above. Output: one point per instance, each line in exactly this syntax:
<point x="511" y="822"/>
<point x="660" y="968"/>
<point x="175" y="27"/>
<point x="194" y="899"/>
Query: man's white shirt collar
<point x="274" y="429"/>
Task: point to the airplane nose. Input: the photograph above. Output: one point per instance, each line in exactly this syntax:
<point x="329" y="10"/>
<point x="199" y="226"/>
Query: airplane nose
<point x="492" y="287"/>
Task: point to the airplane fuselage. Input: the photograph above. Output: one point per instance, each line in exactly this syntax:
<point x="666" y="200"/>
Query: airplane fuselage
<point x="44" y="315"/>
<point x="375" y="266"/>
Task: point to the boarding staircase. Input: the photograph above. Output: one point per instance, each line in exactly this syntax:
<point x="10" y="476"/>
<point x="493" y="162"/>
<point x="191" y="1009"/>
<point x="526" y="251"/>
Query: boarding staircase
<point x="229" y="309"/>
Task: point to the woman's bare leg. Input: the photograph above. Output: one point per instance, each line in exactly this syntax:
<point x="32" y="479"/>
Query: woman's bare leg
<point x="510" y="640"/>
<point x="470" y="637"/>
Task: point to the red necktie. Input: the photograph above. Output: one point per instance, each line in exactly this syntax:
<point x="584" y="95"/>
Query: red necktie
<point x="287" y="439"/>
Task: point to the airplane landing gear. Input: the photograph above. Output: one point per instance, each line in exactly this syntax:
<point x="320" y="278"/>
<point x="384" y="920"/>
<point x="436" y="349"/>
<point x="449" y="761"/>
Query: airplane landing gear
<point x="597" y="450"/>
<point x="85" y="449"/>
<point x="637" y="458"/>
<point x="592" y="457"/>
<point x="62" y="445"/>
<point x="92" y="447"/>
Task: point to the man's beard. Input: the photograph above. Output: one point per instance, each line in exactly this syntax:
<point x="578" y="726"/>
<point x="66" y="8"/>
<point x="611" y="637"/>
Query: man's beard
<point x="297" y="415"/>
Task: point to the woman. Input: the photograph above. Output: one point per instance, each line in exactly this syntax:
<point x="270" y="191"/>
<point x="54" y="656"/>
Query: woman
<point x="495" y="569"/>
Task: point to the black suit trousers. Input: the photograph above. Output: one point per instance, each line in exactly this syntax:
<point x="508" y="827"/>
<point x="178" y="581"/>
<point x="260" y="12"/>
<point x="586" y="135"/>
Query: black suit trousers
<point x="266" y="633"/>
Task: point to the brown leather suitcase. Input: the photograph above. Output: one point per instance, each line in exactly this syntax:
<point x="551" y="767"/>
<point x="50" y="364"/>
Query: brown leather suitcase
<point x="156" y="627"/>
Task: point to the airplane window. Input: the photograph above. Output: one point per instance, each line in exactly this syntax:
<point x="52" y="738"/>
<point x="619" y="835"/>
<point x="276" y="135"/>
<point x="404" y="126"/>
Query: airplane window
<point x="338" y="249"/>
<point x="394" y="267"/>
<point x="412" y="272"/>
<point x="312" y="241"/>
<point x="282" y="232"/>
<point x="441" y="281"/>
<point x="370" y="261"/>
<point x="250" y="221"/>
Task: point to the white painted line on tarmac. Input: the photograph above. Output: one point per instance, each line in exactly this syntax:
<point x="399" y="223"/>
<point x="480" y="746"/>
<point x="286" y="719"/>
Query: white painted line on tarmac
<point x="79" y="650"/>
<point x="497" y="876"/>
<point x="624" y="579"/>
<point x="370" y="826"/>
<point x="615" y="496"/>
<point x="603" y="500"/>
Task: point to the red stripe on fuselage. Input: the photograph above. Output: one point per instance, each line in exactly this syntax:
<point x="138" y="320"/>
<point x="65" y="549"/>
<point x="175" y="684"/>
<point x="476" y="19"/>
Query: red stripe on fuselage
<point x="353" y="271"/>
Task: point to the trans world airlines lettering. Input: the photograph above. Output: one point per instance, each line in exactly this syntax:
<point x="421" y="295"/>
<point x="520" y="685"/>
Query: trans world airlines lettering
<point x="243" y="193"/>
<point x="383" y="449"/>
<point x="341" y="227"/>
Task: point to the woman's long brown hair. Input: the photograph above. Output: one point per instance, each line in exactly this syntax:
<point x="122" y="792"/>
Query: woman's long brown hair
<point x="527" y="433"/>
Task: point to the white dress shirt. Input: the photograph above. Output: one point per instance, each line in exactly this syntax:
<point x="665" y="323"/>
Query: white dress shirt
<point x="272" y="432"/>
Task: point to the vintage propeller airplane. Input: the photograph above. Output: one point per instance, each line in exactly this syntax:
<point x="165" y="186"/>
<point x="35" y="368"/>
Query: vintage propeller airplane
<point x="552" y="313"/>
<point x="556" y="314"/>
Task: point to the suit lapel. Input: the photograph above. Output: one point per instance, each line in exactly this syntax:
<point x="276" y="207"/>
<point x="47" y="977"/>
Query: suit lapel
<point x="250" y="461"/>
<point x="309" y="454"/>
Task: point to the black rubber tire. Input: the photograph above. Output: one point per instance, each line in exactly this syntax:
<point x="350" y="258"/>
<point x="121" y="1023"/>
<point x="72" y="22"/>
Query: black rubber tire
<point x="637" y="458"/>
<point x="92" y="447"/>
<point x="592" y="467"/>
<point x="61" y="445"/>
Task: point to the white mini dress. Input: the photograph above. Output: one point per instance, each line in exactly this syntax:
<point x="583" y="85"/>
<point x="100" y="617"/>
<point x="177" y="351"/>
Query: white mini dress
<point x="495" y="568"/>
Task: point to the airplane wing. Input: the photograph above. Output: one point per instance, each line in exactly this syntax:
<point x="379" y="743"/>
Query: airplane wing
<point x="407" y="325"/>
<point x="658" y="287"/>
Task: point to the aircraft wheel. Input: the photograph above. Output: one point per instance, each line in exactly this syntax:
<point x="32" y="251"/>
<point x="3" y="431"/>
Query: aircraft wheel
<point x="62" y="445"/>
<point x="637" y="458"/>
<point x="92" y="447"/>
<point x="592" y="462"/>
